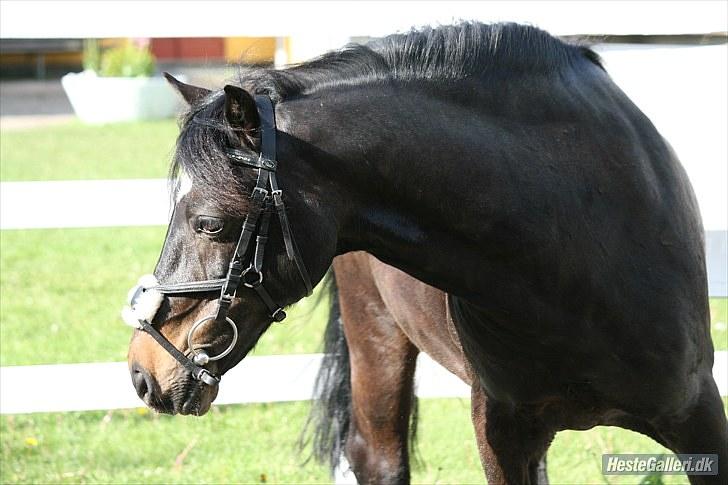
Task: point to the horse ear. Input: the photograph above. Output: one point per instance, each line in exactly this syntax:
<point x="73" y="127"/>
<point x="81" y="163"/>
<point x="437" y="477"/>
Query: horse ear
<point x="240" y="109"/>
<point x="191" y="94"/>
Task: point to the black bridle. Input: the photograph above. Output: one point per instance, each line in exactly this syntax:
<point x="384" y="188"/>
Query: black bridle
<point x="248" y="272"/>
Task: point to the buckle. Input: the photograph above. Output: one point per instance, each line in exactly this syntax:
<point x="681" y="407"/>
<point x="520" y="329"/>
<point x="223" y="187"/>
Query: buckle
<point x="206" y="377"/>
<point x="277" y="198"/>
<point x="279" y="315"/>
<point x="260" y="190"/>
<point x="267" y="163"/>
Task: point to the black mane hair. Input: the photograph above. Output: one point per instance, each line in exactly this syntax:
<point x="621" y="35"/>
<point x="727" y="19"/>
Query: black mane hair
<point x="468" y="50"/>
<point x="451" y="52"/>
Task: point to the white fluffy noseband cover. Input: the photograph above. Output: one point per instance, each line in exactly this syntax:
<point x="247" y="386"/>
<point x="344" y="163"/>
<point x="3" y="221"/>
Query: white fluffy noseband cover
<point x="143" y="302"/>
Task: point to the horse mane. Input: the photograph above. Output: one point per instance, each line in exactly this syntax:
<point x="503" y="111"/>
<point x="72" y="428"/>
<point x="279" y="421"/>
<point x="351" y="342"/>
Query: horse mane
<point x="446" y="53"/>
<point x="467" y="50"/>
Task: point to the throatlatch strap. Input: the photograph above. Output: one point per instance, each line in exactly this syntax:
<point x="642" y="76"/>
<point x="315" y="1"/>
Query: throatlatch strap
<point x="260" y="242"/>
<point x="290" y="242"/>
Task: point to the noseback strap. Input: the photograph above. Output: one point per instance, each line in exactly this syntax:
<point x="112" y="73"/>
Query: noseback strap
<point x="190" y="287"/>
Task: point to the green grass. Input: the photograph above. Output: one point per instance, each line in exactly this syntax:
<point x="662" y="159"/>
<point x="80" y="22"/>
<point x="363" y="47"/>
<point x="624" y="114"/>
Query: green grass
<point x="75" y="151"/>
<point x="62" y="291"/>
<point x="719" y="322"/>
<point x="257" y="444"/>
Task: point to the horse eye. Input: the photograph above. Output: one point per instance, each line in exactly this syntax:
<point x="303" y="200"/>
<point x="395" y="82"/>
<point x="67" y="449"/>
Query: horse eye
<point x="209" y="225"/>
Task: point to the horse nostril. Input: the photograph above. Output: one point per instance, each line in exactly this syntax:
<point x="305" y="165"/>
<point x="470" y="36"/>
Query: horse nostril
<point x="143" y="382"/>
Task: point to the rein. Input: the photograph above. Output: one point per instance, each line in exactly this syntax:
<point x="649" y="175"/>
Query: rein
<point x="248" y="272"/>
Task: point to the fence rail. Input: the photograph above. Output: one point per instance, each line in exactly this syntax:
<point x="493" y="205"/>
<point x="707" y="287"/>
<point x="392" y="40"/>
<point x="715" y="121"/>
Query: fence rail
<point x="278" y="378"/>
<point x="100" y="386"/>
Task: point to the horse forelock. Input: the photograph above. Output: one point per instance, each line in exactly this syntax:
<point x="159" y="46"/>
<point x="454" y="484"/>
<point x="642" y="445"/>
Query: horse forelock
<point x="200" y="155"/>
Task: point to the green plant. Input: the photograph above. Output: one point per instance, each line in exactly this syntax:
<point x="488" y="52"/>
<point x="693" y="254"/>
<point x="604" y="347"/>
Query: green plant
<point x="126" y="61"/>
<point x="91" y="55"/>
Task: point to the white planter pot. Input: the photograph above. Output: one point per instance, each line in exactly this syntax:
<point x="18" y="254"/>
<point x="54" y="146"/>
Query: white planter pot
<point x="108" y="99"/>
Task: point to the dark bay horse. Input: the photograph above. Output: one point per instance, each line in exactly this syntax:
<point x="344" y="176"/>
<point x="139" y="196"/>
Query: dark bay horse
<point x="493" y="162"/>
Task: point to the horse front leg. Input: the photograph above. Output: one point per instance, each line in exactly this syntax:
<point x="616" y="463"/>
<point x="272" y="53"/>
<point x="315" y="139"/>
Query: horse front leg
<point x="495" y="474"/>
<point x="478" y="406"/>
<point x="382" y="373"/>
<point x="512" y="443"/>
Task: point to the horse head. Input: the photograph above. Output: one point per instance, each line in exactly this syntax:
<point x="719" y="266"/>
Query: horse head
<point x="230" y="262"/>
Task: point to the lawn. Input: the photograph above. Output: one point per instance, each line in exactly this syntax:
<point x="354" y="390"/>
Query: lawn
<point x="257" y="444"/>
<point x="719" y="322"/>
<point x="76" y="151"/>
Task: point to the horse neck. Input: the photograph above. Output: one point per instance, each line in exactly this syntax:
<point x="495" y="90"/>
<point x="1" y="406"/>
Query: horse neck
<point x="402" y="163"/>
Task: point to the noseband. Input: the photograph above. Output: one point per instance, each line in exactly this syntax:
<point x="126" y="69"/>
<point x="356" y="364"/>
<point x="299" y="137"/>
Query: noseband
<point x="266" y="195"/>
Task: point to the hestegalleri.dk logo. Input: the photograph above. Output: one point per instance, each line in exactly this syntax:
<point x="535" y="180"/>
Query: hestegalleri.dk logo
<point x="638" y="464"/>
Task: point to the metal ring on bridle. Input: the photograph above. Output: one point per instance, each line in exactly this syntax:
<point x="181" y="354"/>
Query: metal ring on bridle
<point x="222" y="354"/>
<point x="252" y="283"/>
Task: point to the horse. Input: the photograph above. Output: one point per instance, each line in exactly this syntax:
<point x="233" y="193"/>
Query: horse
<point x="496" y="163"/>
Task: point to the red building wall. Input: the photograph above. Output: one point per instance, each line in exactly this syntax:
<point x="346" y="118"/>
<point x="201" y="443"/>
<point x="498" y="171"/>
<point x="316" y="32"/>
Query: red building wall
<point x="202" y="48"/>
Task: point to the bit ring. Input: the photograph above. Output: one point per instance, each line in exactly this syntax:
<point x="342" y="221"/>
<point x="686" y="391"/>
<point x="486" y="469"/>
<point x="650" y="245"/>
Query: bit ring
<point x="202" y="321"/>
